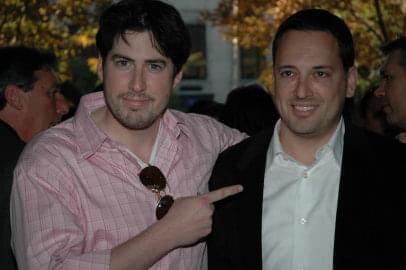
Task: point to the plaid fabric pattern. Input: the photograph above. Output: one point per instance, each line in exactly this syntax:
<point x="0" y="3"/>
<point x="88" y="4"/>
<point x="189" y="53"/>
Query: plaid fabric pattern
<point x="77" y="193"/>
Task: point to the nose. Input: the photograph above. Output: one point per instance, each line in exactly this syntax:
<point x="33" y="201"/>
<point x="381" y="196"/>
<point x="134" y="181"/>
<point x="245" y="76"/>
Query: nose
<point x="137" y="82"/>
<point x="302" y="88"/>
<point x="380" y="91"/>
<point x="62" y="104"/>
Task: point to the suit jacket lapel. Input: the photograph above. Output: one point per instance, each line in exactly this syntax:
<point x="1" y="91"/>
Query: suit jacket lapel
<point x="251" y="170"/>
<point x="354" y="200"/>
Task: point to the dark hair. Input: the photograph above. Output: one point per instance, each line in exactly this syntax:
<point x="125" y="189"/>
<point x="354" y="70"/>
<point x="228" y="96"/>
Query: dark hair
<point x="72" y="93"/>
<point x="249" y="109"/>
<point x="319" y="20"/>
<point x="397" y="44"/>
<point x="18" y="65"/>
<point x="169" y="33"/>
<point x="207" y="107"/>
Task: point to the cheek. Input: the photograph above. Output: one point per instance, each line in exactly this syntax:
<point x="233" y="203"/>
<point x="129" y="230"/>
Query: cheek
<point x="392" y="93"/>
<point x="160" y="84"/>
<point x="280" y="102"/>
<point x="116" y="78"/>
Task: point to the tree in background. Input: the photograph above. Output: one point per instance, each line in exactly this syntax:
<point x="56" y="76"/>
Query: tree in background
<point x="66" y="27"/>
<point x="373" y="22"/>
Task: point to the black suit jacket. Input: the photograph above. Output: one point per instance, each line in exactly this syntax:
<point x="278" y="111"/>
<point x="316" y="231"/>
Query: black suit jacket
<point x="370" y="227"/>
<point x="10" y="148"/>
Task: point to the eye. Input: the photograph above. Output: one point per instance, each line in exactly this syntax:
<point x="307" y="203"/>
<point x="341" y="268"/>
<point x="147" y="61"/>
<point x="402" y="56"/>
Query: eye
<point x="155" y="67"/>
<point x="51" y="93"/>
<point x="122" y="63"/>
<point x="286" y="73"/>
<point x="388" y="78"/>
<point x="322" y="74"/>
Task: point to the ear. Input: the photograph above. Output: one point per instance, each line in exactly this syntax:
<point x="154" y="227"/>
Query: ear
<point x="100" y="68"/>
<point x="352" y="76"/>
<point x="177" y="79"/>
<point x="14" y="96"/>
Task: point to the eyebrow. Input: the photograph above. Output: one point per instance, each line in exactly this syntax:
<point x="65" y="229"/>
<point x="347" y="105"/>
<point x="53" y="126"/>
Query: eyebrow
<point x="285" y="66"/>
<point x="315" y="67"/>
<point x="115" y="56"/>
<point x="323" y="67"/>
<point x="157" y="61"/>
<point x="150" y="61"/>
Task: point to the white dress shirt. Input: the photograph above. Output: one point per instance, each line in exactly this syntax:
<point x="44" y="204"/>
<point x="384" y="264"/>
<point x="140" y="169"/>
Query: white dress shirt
<point x="300" y="205"/>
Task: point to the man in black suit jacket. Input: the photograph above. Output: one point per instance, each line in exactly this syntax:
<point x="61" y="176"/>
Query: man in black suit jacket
<point x="318" y="193"/>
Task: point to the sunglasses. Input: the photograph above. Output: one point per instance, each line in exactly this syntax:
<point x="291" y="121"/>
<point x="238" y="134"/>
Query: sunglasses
<point x="152" y="178"/>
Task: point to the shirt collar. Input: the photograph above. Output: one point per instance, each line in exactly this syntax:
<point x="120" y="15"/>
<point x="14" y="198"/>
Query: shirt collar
<point x="90" y="137"/>
<point x="174" y="125"/>
<point x="335" y="143"/>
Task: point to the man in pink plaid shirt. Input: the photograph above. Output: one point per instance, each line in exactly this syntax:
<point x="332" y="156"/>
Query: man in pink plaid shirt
<point x="123" y="184"/>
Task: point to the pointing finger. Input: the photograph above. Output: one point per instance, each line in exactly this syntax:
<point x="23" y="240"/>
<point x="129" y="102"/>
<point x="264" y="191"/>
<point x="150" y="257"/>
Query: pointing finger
<point x="222" y="193"/>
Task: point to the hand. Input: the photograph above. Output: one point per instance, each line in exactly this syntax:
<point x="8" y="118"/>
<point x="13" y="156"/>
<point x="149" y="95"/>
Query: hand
<point x="401" y="137"/>
<point x="190" y="218"/>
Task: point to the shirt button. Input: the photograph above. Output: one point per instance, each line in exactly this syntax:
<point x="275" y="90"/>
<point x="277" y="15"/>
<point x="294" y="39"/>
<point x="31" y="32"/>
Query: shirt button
<point x="305" y="175"/>
<point x="303" y="221"/>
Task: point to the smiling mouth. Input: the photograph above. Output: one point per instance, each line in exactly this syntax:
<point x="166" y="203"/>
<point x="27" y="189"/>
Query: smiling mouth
<point x="303" y="108"/>
<point x="136" y="102"/>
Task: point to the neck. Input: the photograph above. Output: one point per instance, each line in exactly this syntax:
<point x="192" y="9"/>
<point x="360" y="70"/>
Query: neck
<point x="140" y="141"/>
<point x="17" y="122"/>
<point x="302" y="148"/>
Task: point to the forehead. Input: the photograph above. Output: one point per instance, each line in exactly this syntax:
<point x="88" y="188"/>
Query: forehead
<point x="393" y="60"/>
<point x="46" y="76"/>
<point x="311" y="46"/>
<point x="136" y="43"/>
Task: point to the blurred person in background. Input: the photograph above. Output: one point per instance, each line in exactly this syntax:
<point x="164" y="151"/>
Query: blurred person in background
<point x="28" y="105"/>
<point x="371" y="115"/>
<point x="207" y="107"/>
<point x="249" y="109"/>
<point x="392" y="88"/>
<point x="70" y="94"/>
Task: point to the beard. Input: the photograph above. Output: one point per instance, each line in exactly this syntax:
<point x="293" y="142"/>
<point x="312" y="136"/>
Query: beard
<point x="135" y="119"/>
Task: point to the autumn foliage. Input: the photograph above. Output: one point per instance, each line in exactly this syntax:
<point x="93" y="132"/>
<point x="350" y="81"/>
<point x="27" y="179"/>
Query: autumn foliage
<point x="373" y="22"/>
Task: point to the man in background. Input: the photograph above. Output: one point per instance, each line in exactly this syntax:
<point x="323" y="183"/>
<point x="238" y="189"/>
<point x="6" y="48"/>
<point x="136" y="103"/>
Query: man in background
<point x="28" y="105"/>
<point x="70" y="93"/>
<point x="392" y="88"/>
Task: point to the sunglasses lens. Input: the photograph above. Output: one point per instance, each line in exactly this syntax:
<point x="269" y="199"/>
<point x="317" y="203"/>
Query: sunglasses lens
<point x="152" y="178"/>
<point x="163" y="206"/>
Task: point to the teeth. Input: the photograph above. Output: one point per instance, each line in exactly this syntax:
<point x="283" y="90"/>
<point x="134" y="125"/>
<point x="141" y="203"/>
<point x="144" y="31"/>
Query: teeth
<point x="303" y="108"/>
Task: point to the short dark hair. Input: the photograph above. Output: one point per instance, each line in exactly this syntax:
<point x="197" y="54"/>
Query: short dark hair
<point x="397" y="44"/>
<point x="249" y="109"/>
<point x="319" y="20"/>
<point x="170" y="35"/>
<point x="18" y="65"/>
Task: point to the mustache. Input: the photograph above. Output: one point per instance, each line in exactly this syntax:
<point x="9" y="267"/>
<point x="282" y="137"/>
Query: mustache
<point x="131" y="94"/>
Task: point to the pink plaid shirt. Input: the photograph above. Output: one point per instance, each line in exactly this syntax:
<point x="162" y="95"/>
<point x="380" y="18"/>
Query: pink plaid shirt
<point x="77" y="193"/>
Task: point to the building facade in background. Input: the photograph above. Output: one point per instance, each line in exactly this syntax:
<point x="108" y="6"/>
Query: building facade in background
<point x="210" y="73"/>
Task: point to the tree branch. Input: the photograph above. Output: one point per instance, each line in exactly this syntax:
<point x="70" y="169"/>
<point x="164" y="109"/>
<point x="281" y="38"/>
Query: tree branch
<point x="369" y="27"/>
<point x="381" y="23"/>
